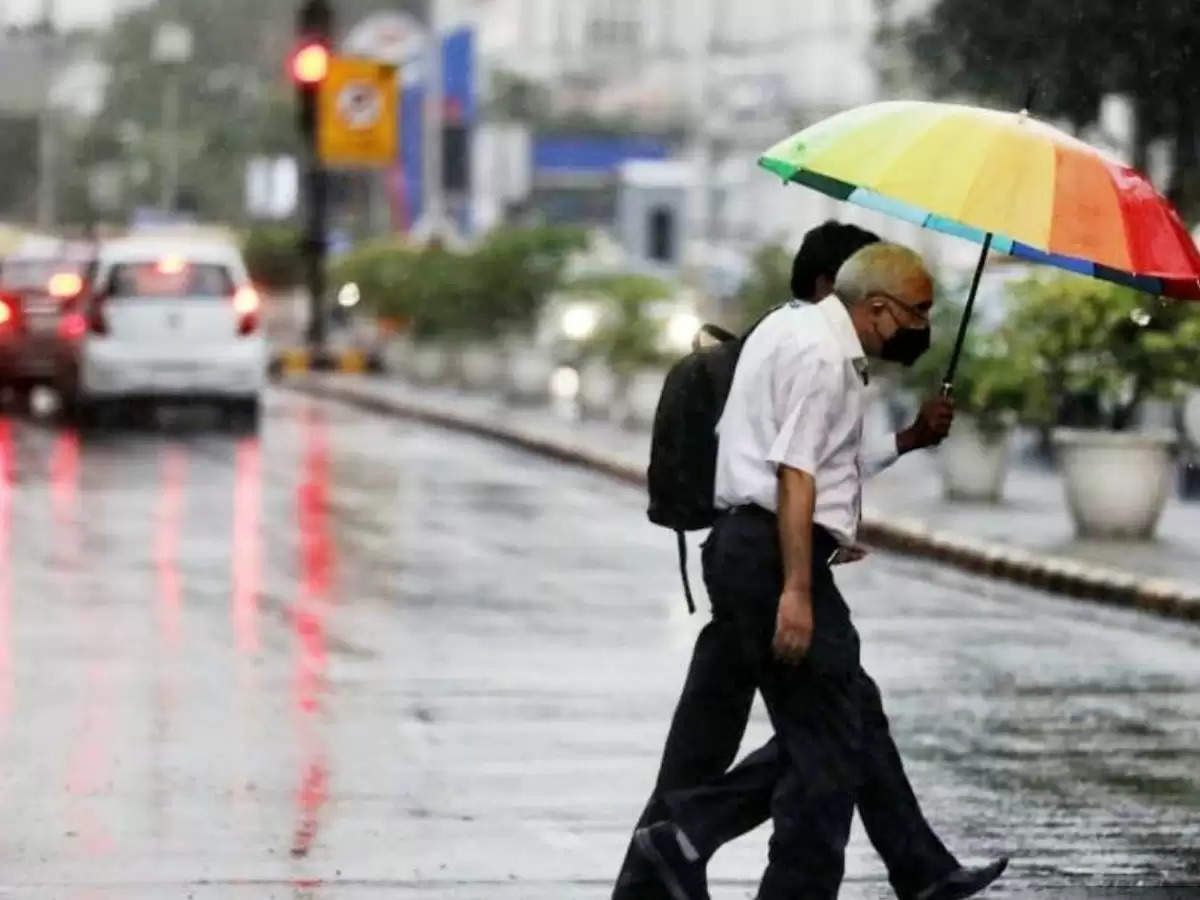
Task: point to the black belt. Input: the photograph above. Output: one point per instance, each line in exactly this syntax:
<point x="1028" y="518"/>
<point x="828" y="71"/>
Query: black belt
<point x="824" y="543"/>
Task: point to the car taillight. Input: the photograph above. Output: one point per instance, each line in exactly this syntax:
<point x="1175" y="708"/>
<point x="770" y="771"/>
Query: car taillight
<point x="10" y="310"/>
<point x="72" y="326"/>
<point x="247" y="303"/>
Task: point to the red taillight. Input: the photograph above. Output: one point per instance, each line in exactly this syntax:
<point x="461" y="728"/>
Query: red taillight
<point x="72" y="326"/>
<point x="247" y="303"/>
<point x="10" y="311"/>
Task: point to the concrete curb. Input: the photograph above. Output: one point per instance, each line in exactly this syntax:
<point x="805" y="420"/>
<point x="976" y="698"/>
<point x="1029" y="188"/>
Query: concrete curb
<point x="1050" y="573"/>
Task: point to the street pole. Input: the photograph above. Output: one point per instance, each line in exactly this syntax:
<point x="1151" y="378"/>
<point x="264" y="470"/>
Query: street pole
<point x="315" y="247"/>
<point x="435" y="201"/>
<point x="47" y="188"/>
<point x="701" y="75"/>
<point x="170" y="140"/>
<point x="172" y="49"/>
<point x="314" y="26"/>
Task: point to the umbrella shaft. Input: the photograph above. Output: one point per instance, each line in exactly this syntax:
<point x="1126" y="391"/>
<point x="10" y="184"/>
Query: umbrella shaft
<point x="948" y="383"/>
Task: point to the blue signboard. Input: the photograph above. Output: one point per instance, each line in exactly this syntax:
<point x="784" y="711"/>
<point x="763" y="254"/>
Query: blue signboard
<point x="460" y="110"/>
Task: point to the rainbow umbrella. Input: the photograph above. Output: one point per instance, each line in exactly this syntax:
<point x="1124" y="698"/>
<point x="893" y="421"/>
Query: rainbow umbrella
<point x="1004" y="180"/>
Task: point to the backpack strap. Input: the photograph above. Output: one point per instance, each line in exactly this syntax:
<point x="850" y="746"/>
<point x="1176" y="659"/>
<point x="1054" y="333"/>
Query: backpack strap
<point x="687" y="587"/>
<point x="713" y="331"/>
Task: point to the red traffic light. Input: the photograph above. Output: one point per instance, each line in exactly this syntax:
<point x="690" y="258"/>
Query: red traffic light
<point x="310" y="63"/>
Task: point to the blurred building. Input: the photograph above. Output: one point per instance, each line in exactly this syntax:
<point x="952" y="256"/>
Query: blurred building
<point x="730" y="77"/>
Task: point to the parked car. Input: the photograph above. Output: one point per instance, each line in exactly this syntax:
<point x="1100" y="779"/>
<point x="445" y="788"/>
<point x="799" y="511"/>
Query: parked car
<point x="40" y="328"/>
<point x="172" y="320"/>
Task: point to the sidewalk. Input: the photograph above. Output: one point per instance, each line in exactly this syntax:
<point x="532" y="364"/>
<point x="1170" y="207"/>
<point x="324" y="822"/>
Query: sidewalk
<point x="1028" y="538"/>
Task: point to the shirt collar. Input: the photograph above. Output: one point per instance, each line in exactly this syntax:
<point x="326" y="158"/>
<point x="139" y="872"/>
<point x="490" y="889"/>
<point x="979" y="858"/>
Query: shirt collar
<point x="842" y="327"/>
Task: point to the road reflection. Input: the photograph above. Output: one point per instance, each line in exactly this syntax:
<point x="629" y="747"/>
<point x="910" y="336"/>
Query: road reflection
<point x="247" y="544"/>
<point x="166" y="545"/>
<point x="90" y="766"/>
<point x="246" y="578"/>
<point x="309" y="621"/>
<point x="6" y="500"/>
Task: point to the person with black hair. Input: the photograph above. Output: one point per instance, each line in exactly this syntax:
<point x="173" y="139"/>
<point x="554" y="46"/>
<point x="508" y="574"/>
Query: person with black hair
<point x="821" y="254"/>
<point x="714" y="707"/>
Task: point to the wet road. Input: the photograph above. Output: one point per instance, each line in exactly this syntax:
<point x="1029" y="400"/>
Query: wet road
<point x="365" y="659"/>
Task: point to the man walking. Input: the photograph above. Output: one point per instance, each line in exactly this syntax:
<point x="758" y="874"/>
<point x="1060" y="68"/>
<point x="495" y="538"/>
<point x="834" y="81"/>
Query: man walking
<point x="714" y="707"/>
<point x="790" y="465"/>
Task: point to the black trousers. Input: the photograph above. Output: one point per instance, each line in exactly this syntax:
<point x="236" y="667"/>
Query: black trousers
<point x="829" y="706"/>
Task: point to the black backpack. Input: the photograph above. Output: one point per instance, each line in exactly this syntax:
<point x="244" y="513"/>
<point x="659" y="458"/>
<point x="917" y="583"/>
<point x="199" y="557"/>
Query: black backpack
<point x="683" y="445"/>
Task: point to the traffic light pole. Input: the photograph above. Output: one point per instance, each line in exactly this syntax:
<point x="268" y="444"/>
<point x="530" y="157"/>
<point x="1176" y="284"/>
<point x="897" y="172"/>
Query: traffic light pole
<point x="315" y="246"/>
<point x="314" y="23"/>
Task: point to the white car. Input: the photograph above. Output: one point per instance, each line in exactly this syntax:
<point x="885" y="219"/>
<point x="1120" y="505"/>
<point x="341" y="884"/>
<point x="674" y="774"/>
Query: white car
<point x="168" y="319"/>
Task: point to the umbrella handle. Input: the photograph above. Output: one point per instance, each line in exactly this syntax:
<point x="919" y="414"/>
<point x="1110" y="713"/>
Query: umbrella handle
<point x="948" y="381"/>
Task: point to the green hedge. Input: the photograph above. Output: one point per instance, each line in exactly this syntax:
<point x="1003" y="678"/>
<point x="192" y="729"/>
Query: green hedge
<point x="499" y="286"/>
<point x="273" y="256"/>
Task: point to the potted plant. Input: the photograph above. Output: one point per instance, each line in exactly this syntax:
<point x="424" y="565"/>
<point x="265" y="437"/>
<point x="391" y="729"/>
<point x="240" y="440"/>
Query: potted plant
<point x="996" y="386"/>
<point x="1105" y="351"/>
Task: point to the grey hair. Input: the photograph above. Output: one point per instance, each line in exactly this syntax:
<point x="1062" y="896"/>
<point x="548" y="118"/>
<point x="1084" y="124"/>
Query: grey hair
<point x="877" y="268"/>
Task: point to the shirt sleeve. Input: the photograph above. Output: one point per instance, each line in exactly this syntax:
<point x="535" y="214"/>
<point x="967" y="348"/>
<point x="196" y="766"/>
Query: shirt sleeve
<point x="878" y="448"/>
<point x="806" y="392"/>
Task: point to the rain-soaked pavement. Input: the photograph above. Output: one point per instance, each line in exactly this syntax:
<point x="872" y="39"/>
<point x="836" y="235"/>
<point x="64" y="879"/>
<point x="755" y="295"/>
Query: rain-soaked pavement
<point x="366" y="659"/>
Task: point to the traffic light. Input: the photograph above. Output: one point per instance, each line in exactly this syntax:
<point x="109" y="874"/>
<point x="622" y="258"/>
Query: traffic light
<point x="310" y="62"/>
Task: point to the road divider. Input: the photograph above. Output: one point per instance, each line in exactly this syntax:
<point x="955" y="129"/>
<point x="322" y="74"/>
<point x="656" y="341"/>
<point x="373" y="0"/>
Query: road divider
<point x="1050" y="573"/>
<point x="300" y="361"/>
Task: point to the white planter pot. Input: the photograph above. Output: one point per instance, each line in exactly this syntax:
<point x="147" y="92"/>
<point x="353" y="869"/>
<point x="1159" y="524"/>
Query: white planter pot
<point x="529" y="370"/>
<point x="1116" y="483"/>
<point x="429" y="363"/>
<point x="974" y="463"/>
<point x="642" y="396"/>
<point x="598" y="388"/>
<point x="480" y="366"/>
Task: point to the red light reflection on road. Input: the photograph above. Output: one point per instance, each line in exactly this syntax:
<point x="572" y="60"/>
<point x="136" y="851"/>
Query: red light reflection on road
<point x="166" y="544"/>
<point x="247" y="544"/>
<point x="90" y="764"/>
<point x="309" y="619"/>
<point x="6" y="495"/>
<point x="64" y="486"/>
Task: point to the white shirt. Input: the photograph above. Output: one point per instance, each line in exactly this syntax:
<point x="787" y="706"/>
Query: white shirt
<point x="798" y="399"/>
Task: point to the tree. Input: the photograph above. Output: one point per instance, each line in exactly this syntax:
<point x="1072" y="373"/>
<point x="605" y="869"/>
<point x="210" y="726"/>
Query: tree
<point x="236" y="100"/>
<point x="1074" y="52"/>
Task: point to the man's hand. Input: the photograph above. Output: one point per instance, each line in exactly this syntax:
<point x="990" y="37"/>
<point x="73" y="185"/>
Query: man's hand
<point x="851" y="554"/>
<point x="932" y="425"/>
<point x="793" y="626"/>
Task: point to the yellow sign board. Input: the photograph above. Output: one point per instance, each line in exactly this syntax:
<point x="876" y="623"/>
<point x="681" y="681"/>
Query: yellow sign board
<point x="357" y="114"/>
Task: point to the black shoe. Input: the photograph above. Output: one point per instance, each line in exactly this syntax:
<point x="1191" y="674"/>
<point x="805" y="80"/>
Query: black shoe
<point x="963" y="882"/>
<point x="684" y="879"/>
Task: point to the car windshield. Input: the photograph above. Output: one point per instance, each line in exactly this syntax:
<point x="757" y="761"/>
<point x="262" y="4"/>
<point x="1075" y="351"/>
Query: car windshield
<point x="170" y="278"/>
<point x="35" y="274"/>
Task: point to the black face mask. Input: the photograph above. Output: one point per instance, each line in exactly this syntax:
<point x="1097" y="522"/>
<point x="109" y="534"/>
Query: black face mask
<point x="905" y="346"/>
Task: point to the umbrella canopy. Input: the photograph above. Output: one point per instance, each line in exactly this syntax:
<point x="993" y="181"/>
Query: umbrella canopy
<point x="1039" y="193"/>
